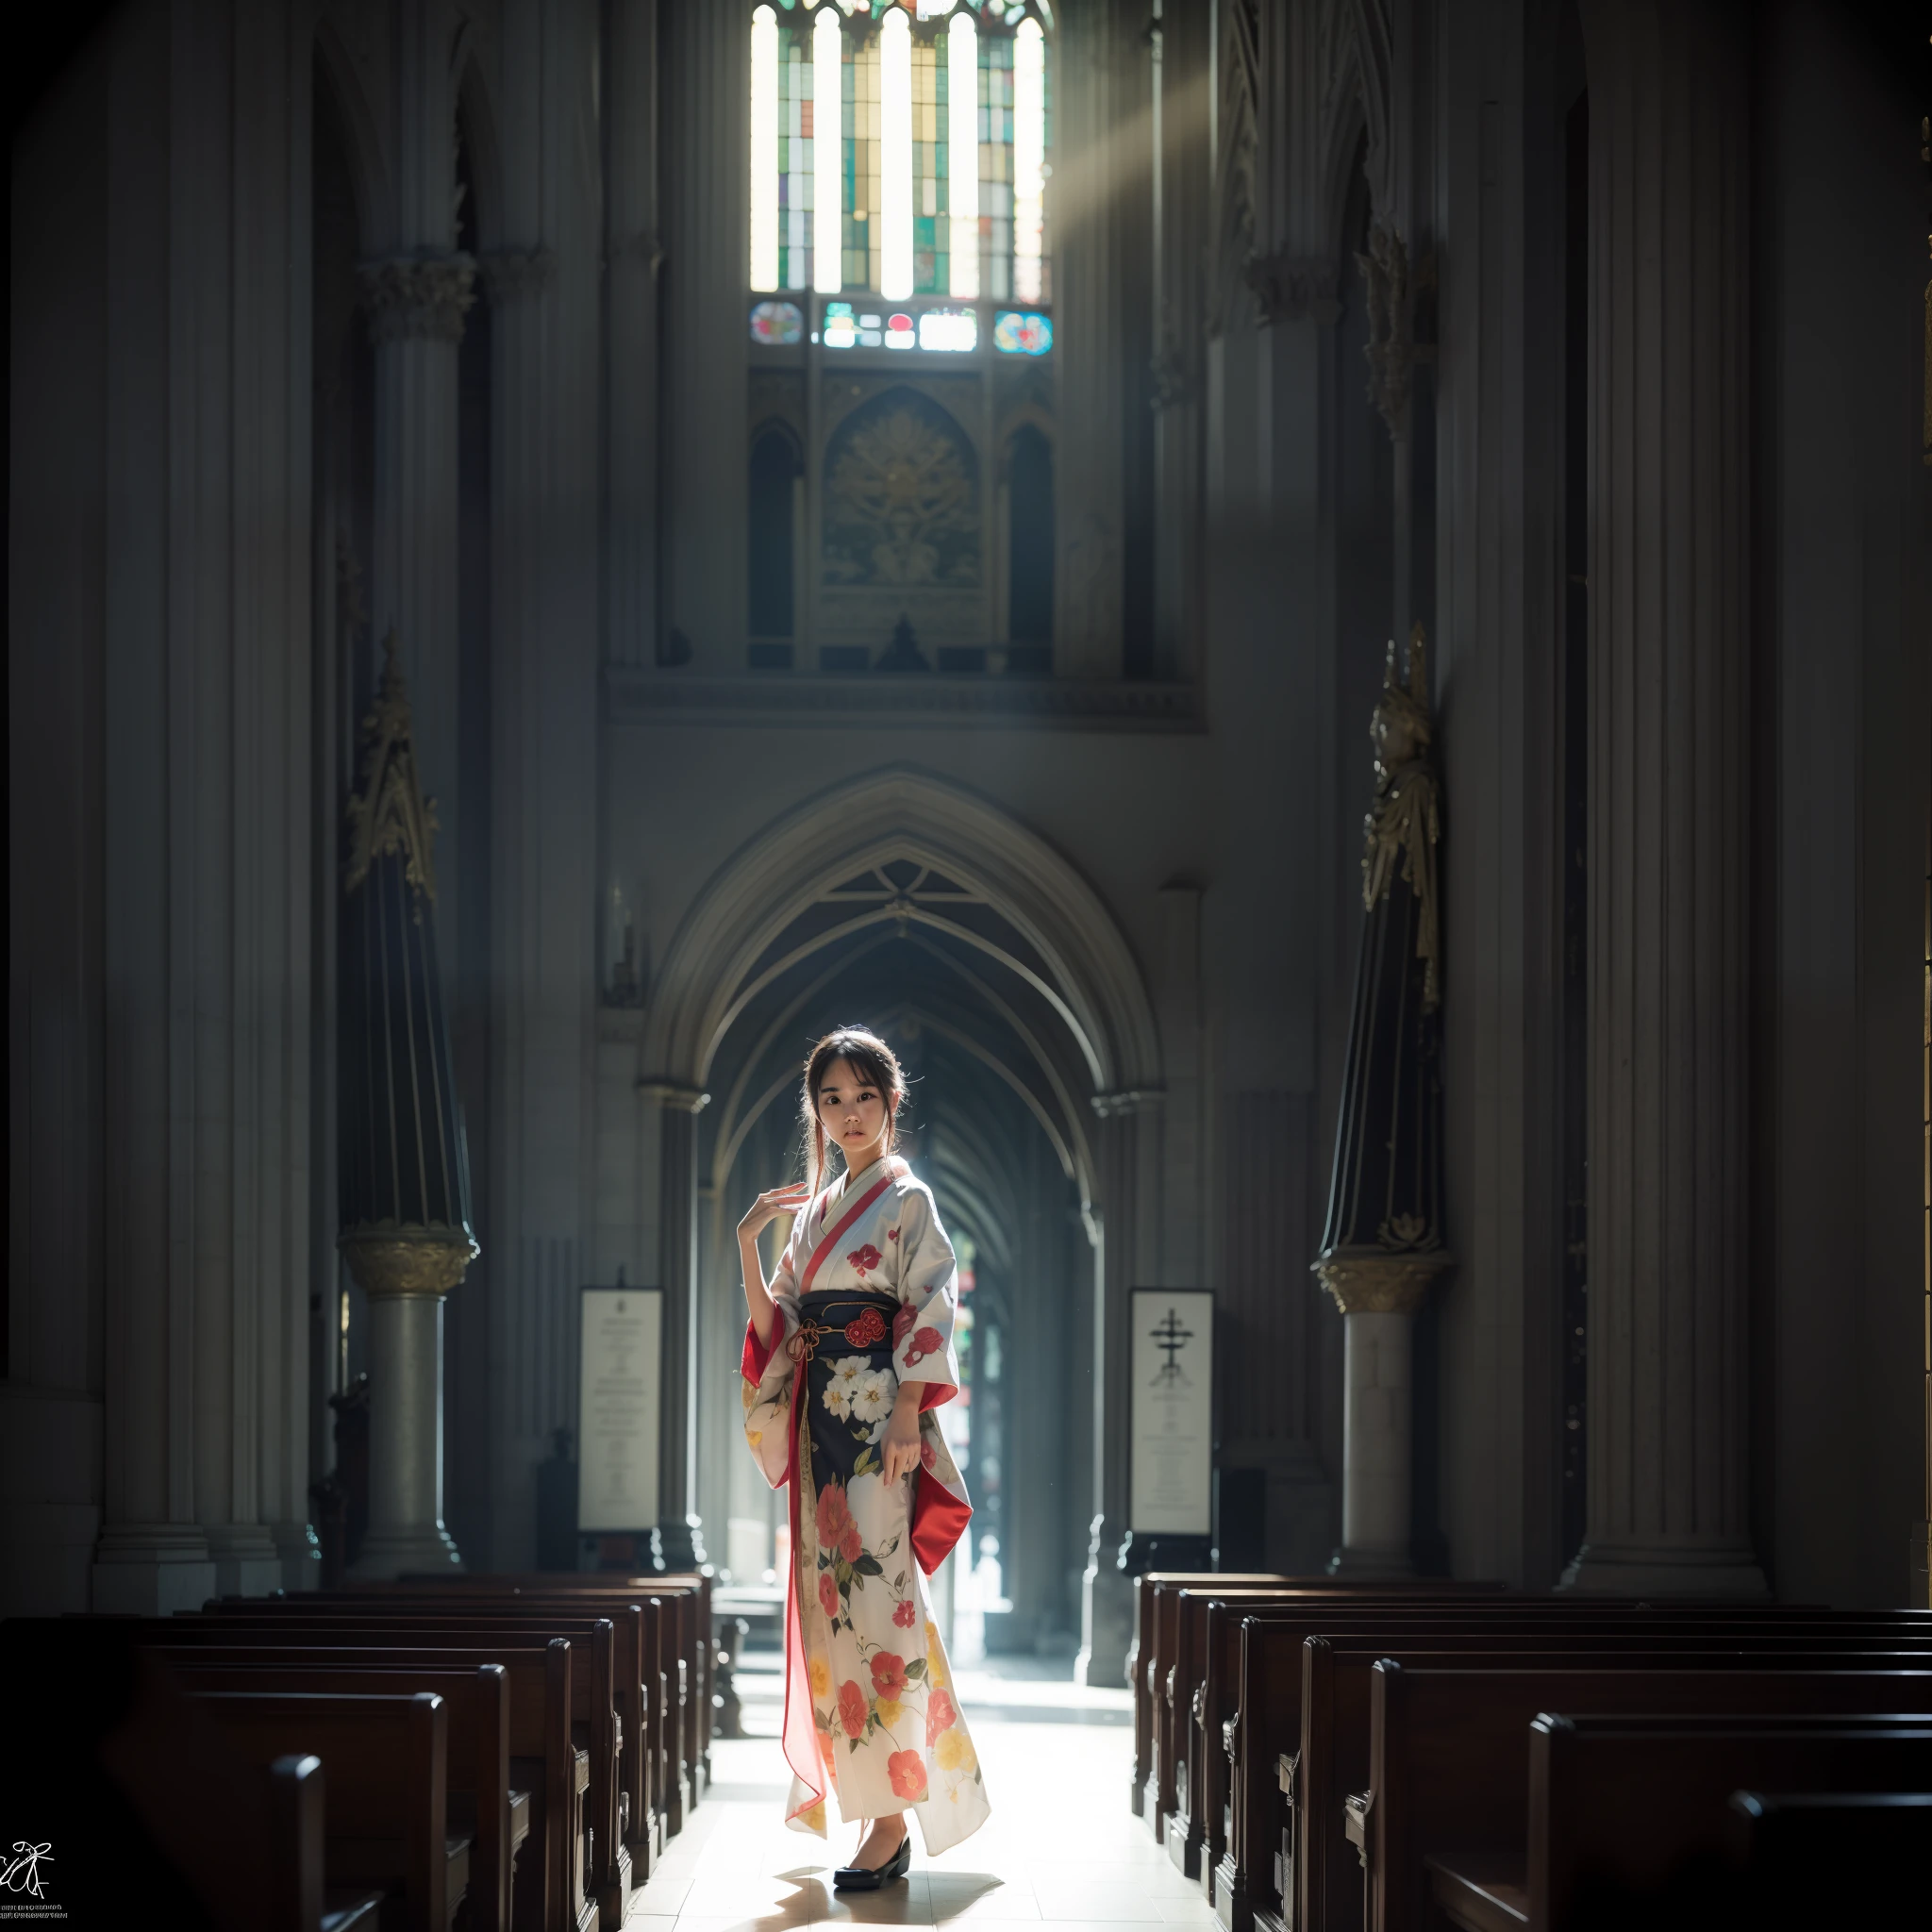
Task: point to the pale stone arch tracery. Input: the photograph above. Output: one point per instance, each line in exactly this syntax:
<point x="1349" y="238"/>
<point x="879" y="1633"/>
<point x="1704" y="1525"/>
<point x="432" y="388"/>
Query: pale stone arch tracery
<point x="1093" y="979"/>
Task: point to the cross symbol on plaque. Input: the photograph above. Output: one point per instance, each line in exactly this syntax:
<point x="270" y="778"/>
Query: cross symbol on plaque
<point x="1170" y="1338"/>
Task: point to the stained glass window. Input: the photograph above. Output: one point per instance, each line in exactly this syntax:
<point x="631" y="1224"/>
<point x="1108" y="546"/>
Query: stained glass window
<point x="1017" y="333"/>
<point x="777" y="324"/>
<point x="900" y="148"/>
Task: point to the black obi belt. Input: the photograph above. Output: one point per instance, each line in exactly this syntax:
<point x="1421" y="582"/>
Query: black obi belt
<point x="844" y="1346"/>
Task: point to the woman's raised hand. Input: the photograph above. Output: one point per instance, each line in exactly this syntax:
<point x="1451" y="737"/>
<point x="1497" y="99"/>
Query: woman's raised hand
<point x="770" y="1205"/>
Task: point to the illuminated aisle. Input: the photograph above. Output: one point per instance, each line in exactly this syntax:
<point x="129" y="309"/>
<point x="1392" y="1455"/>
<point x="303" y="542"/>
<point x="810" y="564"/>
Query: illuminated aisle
<point x="1062" y="1846"/>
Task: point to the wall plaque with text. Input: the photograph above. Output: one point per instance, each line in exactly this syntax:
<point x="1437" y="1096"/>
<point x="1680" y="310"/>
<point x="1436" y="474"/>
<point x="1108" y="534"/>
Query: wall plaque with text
<point x="620" y="1404"/>
<point x="1173" y="1412"/>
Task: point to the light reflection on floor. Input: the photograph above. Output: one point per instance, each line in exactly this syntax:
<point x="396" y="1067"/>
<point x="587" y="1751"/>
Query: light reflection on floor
<point x="1062" y="1846"/>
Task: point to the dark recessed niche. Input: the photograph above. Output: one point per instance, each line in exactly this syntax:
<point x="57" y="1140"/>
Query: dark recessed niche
<point x="1029" y="660"/>
<point x="769" y="656"/>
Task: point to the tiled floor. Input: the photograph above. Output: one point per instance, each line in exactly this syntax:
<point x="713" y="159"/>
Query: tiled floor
<point x="1062" y="1846"/>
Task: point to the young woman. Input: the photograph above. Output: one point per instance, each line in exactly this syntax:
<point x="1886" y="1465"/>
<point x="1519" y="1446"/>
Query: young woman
<point x="848" y="1351"/>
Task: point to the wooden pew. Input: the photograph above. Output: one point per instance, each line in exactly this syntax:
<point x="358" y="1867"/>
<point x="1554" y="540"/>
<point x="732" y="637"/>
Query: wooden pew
<point x="1211" y="1701"/>
<point x="482" y="1805"/>
<point x="549" y="1887"/>
<point x="386" y="1822"/>
<point x="1159" y="1646"/>
<point x="696" y="1644"/>
<point x="1449" y="1758"/>
<point x="1144" y="1663"/>
<point x="686" y="1649"/>
<point x="1214" y="1695"/>
<point x="606" y="1861"/>
<point x="1807" y="1857"/>
<point x="1269" y="1693"/>
<point x="1619" y="1804"/>
<point x="1331" y="1759"/>
<point x="1189" y="1796"/>
<point x="1324" y="1825"/>
<point x="679" y="1757"/>
<point x="640" y="1697"/>
<point x="132" y="1784"/>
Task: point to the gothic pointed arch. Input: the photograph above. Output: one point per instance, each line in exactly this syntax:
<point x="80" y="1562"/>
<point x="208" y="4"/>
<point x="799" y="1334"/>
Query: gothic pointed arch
<point x="1367" y="47"/>
<point x="337" y="70"/>
<point x="1070" y="951"/>
<point x="477" y="117"/>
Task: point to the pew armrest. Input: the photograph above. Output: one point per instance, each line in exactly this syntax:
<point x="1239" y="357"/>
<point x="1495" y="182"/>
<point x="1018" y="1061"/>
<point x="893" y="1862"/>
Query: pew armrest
<point x="1481" y="1898"/>
<point x="349" y="1907"/>
<point x="1356" y="1825"/>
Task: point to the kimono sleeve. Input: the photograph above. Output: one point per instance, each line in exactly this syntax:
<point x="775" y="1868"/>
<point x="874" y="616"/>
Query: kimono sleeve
<point x="923" y="1347"/>
<point x="765" y="1376"/>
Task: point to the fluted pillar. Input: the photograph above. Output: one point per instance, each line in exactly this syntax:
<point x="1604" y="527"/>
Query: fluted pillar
<point x="1099" y="111"/>
<point x="1670" y="674"/>
<point x="1129" y="1244"/>
<point x="706" y="123"/>
<point x="680" y="1534"/>
<point x="203" y="681"/>
<point x="415" y="306"/>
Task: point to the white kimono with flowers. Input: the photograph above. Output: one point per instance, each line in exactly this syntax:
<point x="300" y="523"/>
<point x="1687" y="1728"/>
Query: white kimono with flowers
<point x="868" y="1706"/>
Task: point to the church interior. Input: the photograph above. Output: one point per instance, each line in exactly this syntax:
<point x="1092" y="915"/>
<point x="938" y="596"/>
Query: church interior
<point x="1320" y="610"/>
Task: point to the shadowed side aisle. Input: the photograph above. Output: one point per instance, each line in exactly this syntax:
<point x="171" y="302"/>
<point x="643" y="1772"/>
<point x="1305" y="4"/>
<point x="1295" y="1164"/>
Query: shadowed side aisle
<point x="1060" y="1848"/>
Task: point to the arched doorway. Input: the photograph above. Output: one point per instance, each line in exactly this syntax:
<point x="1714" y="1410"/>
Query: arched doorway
<point x="1002" y="981"/>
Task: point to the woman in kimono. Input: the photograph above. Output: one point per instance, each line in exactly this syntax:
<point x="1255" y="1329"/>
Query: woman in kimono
<point x="848" y="1351"/>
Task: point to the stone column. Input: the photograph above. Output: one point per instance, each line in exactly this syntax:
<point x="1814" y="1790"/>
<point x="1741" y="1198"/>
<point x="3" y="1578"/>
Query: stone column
<point x="415" y="306"/>
<point x="1670" y="798"/>
<point x="706" y="123"/>
<point x="680" y="1530"/>
<point x="634" y="252"/>
<point x="1092" y="97"/>
<point x="1128" y="1242"/>
<point x="406" y="1283"/>
<point x="1379" y="1301"/>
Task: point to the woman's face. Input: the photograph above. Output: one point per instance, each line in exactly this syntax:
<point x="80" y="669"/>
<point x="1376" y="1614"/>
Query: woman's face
<point x="853" y="1112"/>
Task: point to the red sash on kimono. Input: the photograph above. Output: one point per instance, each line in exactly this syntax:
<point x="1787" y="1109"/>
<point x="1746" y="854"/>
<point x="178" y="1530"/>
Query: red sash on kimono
<point x="939" y="1517"/>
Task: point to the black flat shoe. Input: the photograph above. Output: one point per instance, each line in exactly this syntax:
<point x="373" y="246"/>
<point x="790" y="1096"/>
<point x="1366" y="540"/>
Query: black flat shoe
<point x="864" y="1879"/>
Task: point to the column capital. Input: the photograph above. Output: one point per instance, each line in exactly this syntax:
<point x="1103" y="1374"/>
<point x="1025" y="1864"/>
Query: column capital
<point x="404" y="1263"/>
<point x="674" y="1097"/>
<point x="417" y="297"/>
<point x="510" y="275"/>
<point x="1370" y="1283"/>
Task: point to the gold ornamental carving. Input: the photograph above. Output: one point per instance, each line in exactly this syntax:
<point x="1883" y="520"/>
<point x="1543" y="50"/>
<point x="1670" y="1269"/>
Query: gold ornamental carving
<point x="1366" y="1283"/>
<point x="388" y="812"/>
<point x="408" y="1261"/>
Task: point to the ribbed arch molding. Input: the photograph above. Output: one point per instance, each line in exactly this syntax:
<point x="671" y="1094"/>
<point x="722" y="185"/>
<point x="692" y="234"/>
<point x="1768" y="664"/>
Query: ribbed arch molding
<point x="1061" y="941"/>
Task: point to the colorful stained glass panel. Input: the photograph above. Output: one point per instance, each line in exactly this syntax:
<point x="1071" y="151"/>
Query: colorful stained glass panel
<point x="1021" y="332"/>
<point x="951" y="331"/>
<point x="777" y="324"/>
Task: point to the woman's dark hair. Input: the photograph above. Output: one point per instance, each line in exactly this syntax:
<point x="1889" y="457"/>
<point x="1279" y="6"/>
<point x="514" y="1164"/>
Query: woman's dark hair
<point x="875" y="1064"/>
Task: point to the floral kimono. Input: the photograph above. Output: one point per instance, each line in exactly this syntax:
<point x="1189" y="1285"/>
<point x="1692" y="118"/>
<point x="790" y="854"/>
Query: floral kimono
<point x="866" y="1294"/>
